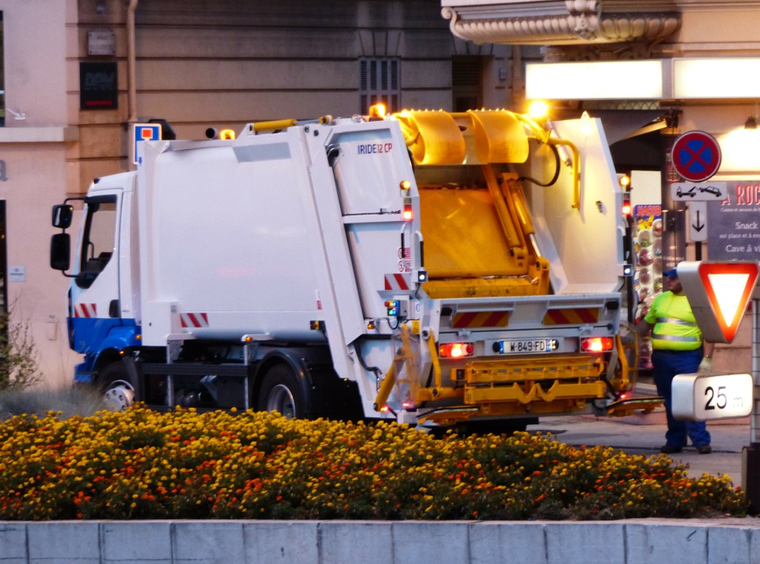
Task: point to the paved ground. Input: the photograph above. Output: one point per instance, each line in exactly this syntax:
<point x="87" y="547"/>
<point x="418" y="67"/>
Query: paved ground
<point x="646" y="434"/>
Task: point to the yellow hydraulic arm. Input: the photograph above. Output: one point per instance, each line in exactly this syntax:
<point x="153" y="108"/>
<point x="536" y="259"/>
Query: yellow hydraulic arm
<point x="544" y="136"/>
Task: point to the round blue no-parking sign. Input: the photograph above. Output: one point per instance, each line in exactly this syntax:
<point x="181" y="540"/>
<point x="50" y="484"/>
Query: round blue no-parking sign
<point x="696" y="156"/>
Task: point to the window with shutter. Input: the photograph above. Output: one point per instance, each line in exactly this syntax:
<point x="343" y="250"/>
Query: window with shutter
<point x="379" y="82"/>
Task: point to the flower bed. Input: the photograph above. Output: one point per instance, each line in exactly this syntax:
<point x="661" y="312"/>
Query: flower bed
<point x="143" y="464"/>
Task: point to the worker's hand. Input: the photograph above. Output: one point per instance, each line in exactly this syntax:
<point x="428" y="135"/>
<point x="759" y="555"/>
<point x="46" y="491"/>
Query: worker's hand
<point x="705" y="365"/>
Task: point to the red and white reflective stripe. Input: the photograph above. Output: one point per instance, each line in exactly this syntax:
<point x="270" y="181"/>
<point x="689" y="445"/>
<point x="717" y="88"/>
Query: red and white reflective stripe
<point x="85" y="310"/>
<point x="571" y="316"/>
<point x="480" y="319"/>
<point x="194" y="319"/>
<point x="398" y="281"/>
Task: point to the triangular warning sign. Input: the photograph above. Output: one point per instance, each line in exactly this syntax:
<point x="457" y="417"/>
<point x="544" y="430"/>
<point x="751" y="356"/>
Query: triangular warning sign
<point x="729" y="288"/>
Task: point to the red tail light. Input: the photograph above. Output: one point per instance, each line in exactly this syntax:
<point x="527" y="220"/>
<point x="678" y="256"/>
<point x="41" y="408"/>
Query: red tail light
<point x="597" y="344"/>
<point x="456" y="350"/>
<point x="627" y="206"/>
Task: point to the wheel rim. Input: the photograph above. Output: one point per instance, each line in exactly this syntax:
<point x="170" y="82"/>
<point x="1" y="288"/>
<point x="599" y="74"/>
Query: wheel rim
<point x="119" y="396"/>
<point x="281" y="399"/>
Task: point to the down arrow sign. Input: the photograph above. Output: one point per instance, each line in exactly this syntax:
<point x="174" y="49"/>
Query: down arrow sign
<point x="698" y="221"/>
<point x="699" y="226"/>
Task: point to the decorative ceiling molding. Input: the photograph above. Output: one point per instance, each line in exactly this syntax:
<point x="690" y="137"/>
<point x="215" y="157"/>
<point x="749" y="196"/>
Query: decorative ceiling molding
<point x="559" y="22"/>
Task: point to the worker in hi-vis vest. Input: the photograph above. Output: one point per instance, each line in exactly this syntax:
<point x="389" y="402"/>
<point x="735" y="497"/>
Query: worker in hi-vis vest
<point x="678" y="348"/>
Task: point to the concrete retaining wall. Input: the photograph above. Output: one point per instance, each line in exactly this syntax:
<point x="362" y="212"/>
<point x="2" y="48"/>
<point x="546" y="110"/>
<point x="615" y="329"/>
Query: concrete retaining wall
<point x="380" y="542"/>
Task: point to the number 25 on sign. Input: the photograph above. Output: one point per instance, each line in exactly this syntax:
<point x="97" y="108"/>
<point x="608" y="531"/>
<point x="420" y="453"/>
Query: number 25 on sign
<point x="703" y="397"/>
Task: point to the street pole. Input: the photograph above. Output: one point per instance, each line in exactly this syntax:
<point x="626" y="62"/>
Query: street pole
<point x="751" y="454"/>
<point x="628" y="254"/>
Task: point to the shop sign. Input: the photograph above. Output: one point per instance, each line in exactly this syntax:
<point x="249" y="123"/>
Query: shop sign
<point x="98" y="86"/>
<point x="735" y="223"/>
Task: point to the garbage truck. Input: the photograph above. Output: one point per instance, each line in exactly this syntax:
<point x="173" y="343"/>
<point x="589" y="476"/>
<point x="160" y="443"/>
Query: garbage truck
<point x="430" y="267"/>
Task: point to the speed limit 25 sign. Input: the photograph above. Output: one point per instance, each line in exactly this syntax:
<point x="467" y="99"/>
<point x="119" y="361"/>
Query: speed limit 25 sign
<point x="703" y="397"/>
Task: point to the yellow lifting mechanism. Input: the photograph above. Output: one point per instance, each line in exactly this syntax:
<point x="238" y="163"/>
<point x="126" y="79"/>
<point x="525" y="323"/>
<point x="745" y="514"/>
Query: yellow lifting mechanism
<point x="436" y="138"/>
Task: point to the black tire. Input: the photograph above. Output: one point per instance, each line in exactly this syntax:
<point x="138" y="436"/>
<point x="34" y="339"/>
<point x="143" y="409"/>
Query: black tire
<point x="281" y="391"/>
<point x="113" y="382"/>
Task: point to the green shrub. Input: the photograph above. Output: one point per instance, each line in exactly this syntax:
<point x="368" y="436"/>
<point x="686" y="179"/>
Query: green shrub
<point x="142" y="464"/>
<point x="18" y="354"/>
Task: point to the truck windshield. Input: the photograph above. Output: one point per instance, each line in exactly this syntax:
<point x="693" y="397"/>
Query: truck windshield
<point x="98" y="238"/>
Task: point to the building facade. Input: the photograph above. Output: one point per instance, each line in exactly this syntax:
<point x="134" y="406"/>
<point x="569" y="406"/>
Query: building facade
<point x="79" y="73"/>
<point x="36" y="142"/>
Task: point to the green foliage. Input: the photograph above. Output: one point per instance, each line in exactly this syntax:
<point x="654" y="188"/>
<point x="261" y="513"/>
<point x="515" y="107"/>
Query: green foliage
<point x="18" y="354"/>
<point x="141" y="464"/>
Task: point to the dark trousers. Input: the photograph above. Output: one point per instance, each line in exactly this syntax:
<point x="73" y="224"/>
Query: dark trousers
<point x="666" y="365"/>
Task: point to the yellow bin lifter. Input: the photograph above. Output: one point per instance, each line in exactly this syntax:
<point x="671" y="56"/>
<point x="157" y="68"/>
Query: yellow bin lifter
<point x="478" y="242"/>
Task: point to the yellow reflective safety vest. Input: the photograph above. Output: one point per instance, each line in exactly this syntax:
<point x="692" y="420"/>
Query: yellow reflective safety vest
<point x="675" y="328"/>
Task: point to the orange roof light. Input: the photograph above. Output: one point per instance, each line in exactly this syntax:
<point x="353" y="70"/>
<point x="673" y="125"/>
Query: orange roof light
<point x="538" y="109"/>
<point x="377" y="111"/>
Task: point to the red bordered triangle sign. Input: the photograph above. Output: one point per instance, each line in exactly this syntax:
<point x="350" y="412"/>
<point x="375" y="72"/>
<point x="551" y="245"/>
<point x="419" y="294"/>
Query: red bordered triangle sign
<point x="729" y="288"/>
<point x="718" y="293"/>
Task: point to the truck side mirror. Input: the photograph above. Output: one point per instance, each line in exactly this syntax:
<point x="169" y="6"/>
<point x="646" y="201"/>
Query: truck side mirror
<point x="60" y="251"/>
<point x="62" y="215"/>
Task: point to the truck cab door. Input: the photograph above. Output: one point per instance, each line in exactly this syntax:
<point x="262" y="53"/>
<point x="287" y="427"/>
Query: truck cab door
<point x="95" y="308"/>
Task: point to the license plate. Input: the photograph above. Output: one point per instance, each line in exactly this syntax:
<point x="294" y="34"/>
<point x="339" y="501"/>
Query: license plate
<point x="526" y="346"/>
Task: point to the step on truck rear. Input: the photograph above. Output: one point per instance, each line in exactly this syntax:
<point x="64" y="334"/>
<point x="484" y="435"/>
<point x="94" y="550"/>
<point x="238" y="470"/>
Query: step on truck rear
<point x="427" y="266"/>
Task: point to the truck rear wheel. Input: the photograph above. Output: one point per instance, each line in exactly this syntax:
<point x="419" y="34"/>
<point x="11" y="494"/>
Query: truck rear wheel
<point x="281" y="392"/>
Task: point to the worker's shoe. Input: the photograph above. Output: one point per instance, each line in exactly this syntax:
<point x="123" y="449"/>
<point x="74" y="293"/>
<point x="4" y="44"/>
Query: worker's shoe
<point x="670" y="449"/>
<point x="704" y="449"/>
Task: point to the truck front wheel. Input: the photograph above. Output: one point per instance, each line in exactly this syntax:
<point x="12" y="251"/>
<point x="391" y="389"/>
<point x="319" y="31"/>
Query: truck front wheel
<point x="280" y="391"/>
<point x="118" y="393"/>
